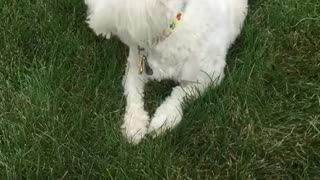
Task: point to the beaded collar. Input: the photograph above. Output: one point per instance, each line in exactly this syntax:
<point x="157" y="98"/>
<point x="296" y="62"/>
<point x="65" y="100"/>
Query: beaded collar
<point x="177" y="21"/>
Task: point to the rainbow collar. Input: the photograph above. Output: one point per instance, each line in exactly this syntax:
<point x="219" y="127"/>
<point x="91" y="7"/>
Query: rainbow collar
<point x="176" y="22"/>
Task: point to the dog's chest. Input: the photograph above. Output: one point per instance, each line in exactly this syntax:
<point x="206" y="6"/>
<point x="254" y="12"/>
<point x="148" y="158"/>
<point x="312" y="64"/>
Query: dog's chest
<point x="175" y="68"/>
<point x="165" y="66"/>
<point x="171" y="61"/>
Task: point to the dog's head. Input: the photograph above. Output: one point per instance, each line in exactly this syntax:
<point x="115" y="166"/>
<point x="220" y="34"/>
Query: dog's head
<point x="133" y="21"/>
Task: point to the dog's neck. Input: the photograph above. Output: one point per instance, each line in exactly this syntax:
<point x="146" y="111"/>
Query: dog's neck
<point x="140" y="22"/>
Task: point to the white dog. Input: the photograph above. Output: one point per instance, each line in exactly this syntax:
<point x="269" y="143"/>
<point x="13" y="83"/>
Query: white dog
<point x="183" y="40"/>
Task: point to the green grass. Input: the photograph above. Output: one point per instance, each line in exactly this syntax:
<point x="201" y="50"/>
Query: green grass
<point x="61" y="101"/>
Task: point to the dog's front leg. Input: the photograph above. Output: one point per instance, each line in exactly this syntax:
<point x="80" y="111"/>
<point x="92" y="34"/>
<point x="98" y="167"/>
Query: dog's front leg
<point x="136" y="119"/>
<point x="169" y="114"/>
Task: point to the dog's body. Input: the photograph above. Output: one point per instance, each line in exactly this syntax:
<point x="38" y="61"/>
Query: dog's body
<point x="193" y="55"/>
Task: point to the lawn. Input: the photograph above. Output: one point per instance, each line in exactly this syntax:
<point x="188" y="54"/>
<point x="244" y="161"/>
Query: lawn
<point x="61" y="103"/>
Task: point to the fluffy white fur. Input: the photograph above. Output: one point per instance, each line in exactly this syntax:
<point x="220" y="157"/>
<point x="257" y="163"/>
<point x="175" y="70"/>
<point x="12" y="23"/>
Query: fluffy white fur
<point x="194" y="55"/>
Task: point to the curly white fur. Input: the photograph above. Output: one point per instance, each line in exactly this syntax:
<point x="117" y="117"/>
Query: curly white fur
<point x="194" y="55"/>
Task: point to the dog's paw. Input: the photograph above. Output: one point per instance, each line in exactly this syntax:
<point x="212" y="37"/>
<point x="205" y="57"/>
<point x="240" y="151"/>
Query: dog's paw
<point x="135" y="125"/>
<point x="164" y="120"/>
